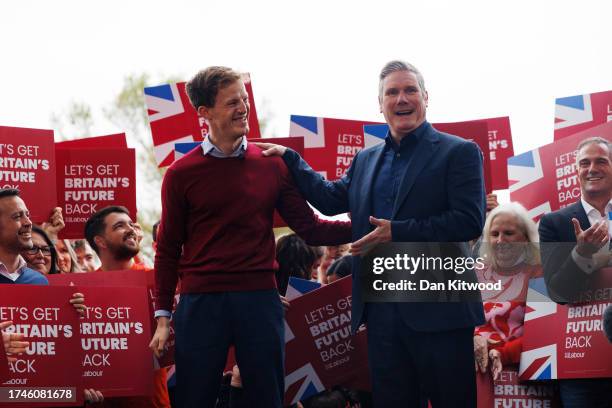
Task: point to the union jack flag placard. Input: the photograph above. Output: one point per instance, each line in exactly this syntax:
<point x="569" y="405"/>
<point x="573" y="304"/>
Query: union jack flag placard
<point x="577" y="113"/>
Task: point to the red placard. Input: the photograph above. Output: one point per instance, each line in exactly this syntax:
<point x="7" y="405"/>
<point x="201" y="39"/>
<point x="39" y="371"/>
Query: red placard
<point x="508" y="391"/>
<point x="27" y="163"/>
<point x="50" y="324"/>
<point x="545" y="179"/>
<point x="125" y="278"/>
<point x="318" y="357"/>
<point x="115" y="141"/>
<point x="174" y="120"/>
<point x="500" y="148"/>
<point x="115" y="338"/>
<point x="4" y="368"/>
<point x="91" y="179"/>
<point x="566" y="341"/>
<point x="478" y="132"/>
<point x="330" y="144"/>
<point x="577" y="113"/>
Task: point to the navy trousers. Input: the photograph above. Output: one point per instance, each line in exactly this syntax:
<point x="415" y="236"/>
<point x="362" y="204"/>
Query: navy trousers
<point x="207" y="324"/>
<point x="586" y="392"/>
<point x="407" y="367"/>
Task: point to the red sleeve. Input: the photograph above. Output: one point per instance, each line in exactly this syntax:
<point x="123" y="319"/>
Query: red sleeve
<point x="301" y="218"/>
<point x="511" y="351"/>
<point x="170" y="238"/>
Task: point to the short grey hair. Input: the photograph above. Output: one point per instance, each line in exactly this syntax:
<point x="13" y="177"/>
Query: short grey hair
<point x="526" y="225"/>
<point x="395" y="66"/>
<point x="594" y="140"/>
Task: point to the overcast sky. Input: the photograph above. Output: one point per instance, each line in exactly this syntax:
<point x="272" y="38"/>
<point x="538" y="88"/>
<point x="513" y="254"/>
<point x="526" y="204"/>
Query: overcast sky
<point x="321" y="58"/>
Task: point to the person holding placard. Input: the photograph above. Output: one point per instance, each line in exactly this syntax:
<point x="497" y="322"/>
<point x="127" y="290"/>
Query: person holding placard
<point x="582" y="231"/>
<point x="111" y="234"/>
<point x="15" y="237"/>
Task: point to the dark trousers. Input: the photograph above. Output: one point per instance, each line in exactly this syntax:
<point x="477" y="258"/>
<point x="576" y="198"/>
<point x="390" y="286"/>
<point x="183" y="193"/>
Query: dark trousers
<point x="206" y="324"/>
<point x="586" y="392"/>
<point x="408" y="367"/>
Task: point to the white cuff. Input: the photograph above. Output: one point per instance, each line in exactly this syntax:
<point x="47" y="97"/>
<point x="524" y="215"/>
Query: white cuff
<point x="163" y="313"/>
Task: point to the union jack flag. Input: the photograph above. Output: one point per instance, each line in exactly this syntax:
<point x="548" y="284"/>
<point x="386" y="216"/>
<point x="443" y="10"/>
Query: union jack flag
<point x="298" y="287"/>
<point x="173" y="120"/>
<point x="580" y="112"/>
<point x="375" y="134"/>
<point x="302" y="383"/>
<point x="523" y="170"/>
<point x="544" y="179"/>
<point x="539" y="361"/>
<point x="329" y="144"/>
<point x="181" y="149"/>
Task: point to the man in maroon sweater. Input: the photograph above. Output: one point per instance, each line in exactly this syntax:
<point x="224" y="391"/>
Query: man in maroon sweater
<point x="216" y="236"/>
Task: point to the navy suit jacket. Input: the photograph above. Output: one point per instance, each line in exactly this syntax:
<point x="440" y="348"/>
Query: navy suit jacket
<point x="564" y="280"/>
<point x="441" y="199"/>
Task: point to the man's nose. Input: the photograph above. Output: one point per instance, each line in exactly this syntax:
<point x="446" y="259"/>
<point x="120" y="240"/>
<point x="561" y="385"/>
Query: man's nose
<point x="244" y="106"/>
<point x="402" y="97"/>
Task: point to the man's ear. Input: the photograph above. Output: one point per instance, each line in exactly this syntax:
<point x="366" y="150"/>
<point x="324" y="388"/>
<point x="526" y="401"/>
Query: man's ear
<point x="380" y="108"/>
<point x="204" y="112"/>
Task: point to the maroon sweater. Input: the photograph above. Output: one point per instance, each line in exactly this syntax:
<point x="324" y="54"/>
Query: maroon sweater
<point x="216" y="224"/>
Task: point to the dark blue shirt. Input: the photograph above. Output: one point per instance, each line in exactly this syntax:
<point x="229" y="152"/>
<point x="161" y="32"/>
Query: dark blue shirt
<point x="395" y="159"/>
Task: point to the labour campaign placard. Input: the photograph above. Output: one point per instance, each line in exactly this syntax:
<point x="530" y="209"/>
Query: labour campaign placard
<point x="114" y="141"/>
<point x="91" y="179"/>
<point x="578" y="113"/>
<point x="143" y="278"/>
<point x="545" y="179"/>
<point x="4" y="367"/>
<point x="330" y="144"/>
<point x="321" y="352"/>
<point x="27" y="163"/>
<point x="509" y="391"/>
<point x="174" y="120"/>
<point x="566" y="341"/>
<point x="53" y="359"/>
<point x="115" y="338"/>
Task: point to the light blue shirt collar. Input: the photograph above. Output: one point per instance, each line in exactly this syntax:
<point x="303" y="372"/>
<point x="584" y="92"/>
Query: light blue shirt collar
<point x="208" y="148"/>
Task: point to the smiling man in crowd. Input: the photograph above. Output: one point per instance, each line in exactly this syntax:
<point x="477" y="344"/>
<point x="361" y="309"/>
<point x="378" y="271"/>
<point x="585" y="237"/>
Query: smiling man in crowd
<point x="111" y="233"/>
<point x="420" y="185"/>
<point x="582" y="233"/>
<point x="216" y="234"/>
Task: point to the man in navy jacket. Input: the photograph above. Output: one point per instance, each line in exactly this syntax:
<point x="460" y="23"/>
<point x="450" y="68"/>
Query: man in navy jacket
<point x="574" y="246"/>
<point x="421" y="185"/>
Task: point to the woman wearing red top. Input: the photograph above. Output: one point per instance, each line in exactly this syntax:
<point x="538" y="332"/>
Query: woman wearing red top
<point x="510" y="251"/>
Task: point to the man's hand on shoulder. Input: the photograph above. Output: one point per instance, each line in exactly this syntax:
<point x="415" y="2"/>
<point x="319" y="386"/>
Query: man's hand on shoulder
<point x="591" y="240"/>
<point x="381" y="234"/>
<point x="271" y="149"/>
